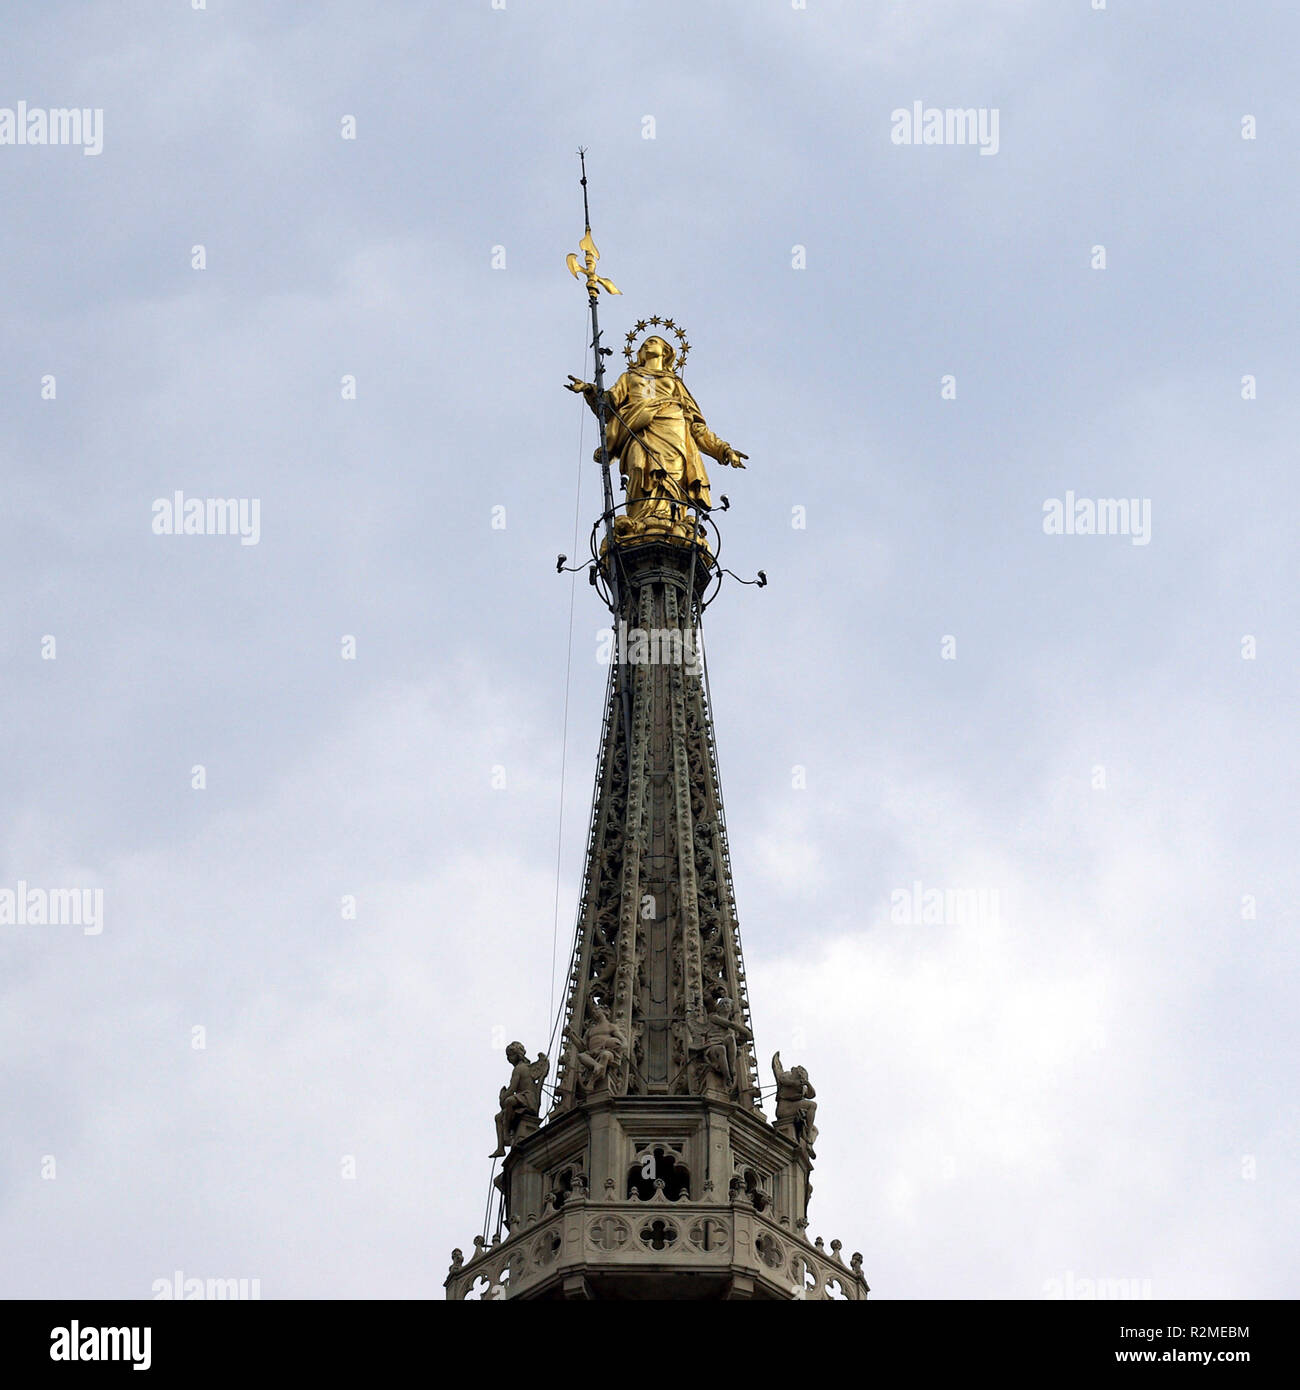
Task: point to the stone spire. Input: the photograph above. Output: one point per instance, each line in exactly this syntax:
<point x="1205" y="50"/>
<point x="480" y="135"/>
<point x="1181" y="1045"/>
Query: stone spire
<point x="658" y="967"/>
<point x="656" y="1173"/>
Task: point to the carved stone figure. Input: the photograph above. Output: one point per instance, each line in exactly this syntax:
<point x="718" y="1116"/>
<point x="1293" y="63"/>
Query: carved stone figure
<point x="657" y="433"/>
<point x="521" y="1098"/>
<point x="795" y="1106"/>
<point x="713" y="1047"/>
<point x="602" y="1049"/>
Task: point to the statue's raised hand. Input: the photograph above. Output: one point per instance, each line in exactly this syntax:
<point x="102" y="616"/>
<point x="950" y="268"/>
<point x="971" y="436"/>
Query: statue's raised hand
<point x="582" y="388"/>
<point x="734" y="456"/>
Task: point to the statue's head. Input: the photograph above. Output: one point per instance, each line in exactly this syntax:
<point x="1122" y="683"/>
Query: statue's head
<point x="722" y="1006"/>
<point x="801" y="1073"/>
<point x="656" y="354"/>
<point x="516" y="1053"/>
<point x="599" y="1013"/>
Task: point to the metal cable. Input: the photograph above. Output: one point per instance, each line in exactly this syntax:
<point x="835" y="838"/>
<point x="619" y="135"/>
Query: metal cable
<point x="564" y="740"/>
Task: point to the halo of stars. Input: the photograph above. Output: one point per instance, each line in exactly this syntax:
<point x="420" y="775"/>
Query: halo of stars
<point x="683" y="347"/>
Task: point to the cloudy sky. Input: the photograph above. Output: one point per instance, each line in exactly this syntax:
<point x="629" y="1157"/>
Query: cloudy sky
<point x="1092" y="1081"/>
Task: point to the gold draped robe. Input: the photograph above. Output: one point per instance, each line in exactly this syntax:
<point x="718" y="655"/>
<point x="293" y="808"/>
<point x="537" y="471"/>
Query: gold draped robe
<point x="657" y="433"/>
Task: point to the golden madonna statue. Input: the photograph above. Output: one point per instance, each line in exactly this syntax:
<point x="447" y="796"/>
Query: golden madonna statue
<point x="656" y="432"/>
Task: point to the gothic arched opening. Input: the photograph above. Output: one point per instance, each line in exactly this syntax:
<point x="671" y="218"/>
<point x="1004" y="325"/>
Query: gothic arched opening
<point x="655" y="1170"/>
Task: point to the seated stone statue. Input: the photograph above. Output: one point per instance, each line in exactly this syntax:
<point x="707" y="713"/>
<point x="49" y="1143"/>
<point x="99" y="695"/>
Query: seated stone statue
<point x="712" y="1047"/>
<point x="795" y="1107"/>
<point x="521" y="1098"/>
<point x="599" y="1055"/>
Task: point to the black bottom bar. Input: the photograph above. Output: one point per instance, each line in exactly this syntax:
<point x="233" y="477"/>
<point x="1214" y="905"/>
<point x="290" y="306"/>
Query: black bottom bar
<point x="1041" y="1339"/>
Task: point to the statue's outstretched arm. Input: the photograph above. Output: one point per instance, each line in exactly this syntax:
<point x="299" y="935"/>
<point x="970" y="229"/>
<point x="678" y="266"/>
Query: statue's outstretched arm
<point x="586" y="390"/>
<point x="716" y="448"/>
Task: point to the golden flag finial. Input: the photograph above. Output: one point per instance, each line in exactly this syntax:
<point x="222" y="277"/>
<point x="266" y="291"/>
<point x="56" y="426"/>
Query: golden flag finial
<point x="588" y="264"/>
<point x="595" y="283"/>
